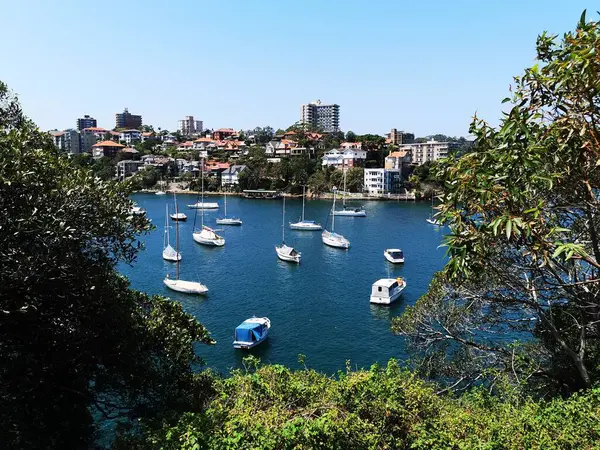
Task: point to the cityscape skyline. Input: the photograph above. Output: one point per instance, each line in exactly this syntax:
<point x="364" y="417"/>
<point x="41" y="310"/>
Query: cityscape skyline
<point x="424" y="67"/>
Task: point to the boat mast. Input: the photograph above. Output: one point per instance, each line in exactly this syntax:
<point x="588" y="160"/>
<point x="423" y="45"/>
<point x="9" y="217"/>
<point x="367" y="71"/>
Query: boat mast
<point x="177" y="239"/>
<point x="303" y="195"/>
<point x="202" y="179"/>
<point x="166" y="240"/>
<point x="283" y="223"/>
<point x="333" y="210"/>
<point x="226" y="202"/>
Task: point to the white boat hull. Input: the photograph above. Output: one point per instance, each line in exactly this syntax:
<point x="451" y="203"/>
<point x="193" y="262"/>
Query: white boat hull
<point x="186" y="287"/>
<point x="226" y="221"/>
<point x="283" y="255"/>
<point x="208" y="237"/>
<point x="335" y="240"/>
<point x="394" y="295"/>
<point x="246" y="345"/>
<point x="171" y="255"/>
<point x="305" y="226"/>
<point x="181" y="216"/>
<point x="205" y="205"/>
<point x="160" y="193"/>
<point x="433" y="222"/>
<point x="350" y="213"/>
<point x="393" y="260"/>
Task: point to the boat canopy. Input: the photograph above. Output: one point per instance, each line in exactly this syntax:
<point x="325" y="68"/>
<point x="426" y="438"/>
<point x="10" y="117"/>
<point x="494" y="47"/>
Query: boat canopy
<point x="246" y="330"/>
<point x="286" y="250"/>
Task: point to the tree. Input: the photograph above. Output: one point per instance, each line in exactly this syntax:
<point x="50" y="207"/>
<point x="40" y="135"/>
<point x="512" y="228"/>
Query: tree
<point x="78" y="345"/>
<point x="355" y="179"/>
<point x="520" y="294"/>
<point x="350" y="136"/>
<point x="104" y="168"/>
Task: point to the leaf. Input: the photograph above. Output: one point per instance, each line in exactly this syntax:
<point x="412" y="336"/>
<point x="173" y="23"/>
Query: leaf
<point x="508" y="228"/>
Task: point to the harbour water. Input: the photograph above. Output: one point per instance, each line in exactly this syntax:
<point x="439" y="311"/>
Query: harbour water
<point x="319" y="308"/>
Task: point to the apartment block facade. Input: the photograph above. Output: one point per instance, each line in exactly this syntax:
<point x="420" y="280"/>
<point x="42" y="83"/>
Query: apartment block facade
<point x="67" y="141"/>
<point x="127" y="120"/>
<point x="422" y="152"/>
<point x="86" y="122"/>
<point x="396" y="137"/>
<point x="318" y="115"/>
<point x="382" y="181"/>
<point x="189" y="126"/>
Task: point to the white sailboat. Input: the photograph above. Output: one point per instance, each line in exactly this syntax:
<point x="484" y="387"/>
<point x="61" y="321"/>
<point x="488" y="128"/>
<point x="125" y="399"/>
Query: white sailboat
<point x="285" y="252"/>
<point x="178" y="215"/>
<point x="169" y="253"/>
<point x="186" y="287"/>
<point x="332" y="238"/>
<point x="348" y="212"/>
<point x="305" y="225"/>
<point x="160" y="191"/>
<point x="228" y="220"/>
<point x="430" y="219"/>
<point x="206" y="235"/>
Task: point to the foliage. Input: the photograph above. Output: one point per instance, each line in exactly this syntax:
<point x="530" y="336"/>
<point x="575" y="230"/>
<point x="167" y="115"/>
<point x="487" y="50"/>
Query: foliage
<point x="104" y="168"/>
<point x="272" y="407"/>
<point x="521" y="294"/>
<point x="77" y="343"/>
<point x="350" y="136"/>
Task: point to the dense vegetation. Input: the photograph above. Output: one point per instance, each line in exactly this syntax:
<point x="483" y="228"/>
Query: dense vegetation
<point x="80" y="347"/>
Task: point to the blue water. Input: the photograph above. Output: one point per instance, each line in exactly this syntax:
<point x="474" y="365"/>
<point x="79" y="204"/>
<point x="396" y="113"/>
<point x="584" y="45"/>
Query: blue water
<point x="319" y="308"/>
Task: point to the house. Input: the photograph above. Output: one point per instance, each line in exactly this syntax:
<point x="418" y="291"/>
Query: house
<point x="130" y="136"/>
<point x="380" y="182"/>
<point x="230" y="176"/>
<point x="147" y="135"/>
<point x="90" y="136"/>
<point x="351" y="146"/>
<point x="128" y="167"/>
<point x="106" y="148"/>
<point x="187" y="145"/>
<point x="285" y="148"/>
<point x="347" y="158"/>
<point x="224" y="133"/>
<point x="132" y="153"/>
<point x="202" y="143"/>
<point x="397" y="160"/>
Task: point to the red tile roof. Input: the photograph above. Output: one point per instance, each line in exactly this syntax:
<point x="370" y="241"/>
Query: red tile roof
<point x="108" y="144"/>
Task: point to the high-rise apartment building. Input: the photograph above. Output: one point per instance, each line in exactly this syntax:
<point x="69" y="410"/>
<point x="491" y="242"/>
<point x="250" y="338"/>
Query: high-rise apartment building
<point x="400" y="137"/>
<point x="323" y="117"/>
<point x="127" y="120"/>
<point x="189" y="126"/>
<point x="86" y="122"/>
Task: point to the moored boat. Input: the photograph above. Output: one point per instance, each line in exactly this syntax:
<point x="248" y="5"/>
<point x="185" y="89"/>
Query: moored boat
<point x="332" y="238"/>
<point x="387" y="290"/>
<point x="204" y="205"/>
<point x="394" y="255"/>
<point x="185" y="287"/>
<point x="178" y="216"/>
<point x="305" y="225"/>
<point x="207" y="236"/>
<point x="251" y="332"/>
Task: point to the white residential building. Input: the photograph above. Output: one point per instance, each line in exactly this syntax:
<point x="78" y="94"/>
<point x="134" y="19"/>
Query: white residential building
<point x="324" y="117"/>
<point x="382" y="181"/>
<point x="130" y="136"/>
<point x="91" y="135"/>
<point x="128" y="167"/>
<point x="425" y="151"/>
<point x="347" y="158"/>
<point x="67" y="141"/>
<point x="397" y="160"/>
<point x="230" y="176"/>
<point x="189" y="126"/>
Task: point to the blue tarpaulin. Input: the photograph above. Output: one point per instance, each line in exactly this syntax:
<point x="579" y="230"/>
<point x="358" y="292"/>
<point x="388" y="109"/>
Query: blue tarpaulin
<point x="245" y="331"/>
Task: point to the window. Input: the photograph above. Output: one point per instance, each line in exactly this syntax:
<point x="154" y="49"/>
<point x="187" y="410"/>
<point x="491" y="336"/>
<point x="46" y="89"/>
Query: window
<point x="379" y="288"/>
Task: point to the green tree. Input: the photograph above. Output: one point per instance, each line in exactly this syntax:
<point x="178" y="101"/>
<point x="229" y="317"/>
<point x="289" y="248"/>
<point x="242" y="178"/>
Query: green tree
<point x="350" y="136"/>
<point x="78" y="345"/>
<point x="104" y="168"/>
<point x="521" y="292"/>
<point x="355" y="179"/>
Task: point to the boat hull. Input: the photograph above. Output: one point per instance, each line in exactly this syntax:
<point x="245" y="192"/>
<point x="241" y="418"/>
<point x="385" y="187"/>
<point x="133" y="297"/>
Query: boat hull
<point x="302" y="226"/>
<point x="286" y="257"/>
<point x="200" y="205"/>
<point x="180" y="217"/>
<point x="393" y="260"/>
<point x="395" y="295"/>
<point x="229" y="221"/>
<point x="350" y="213"/>
<point x="169" y="257"/>
<point x="247" y="344"/>
<point x="433" y="222"/>
<point x="185" y="287"/>
<point x="210" y="242"/>
<point x="334" y="241"/>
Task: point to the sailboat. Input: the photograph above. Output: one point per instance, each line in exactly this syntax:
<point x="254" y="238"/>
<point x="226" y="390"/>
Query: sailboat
<point x="306" y="225"/>
<point x="349" y="212"/>
<point x="160" y="191"/>
<point x="206" y="235"/>
<point x="285" y="252"/>
<point x="430" y="219"/>
<point x="331" y="238"/>
<point x="178" y="215"/>
<point x="169" y="252"/>
<point x="186" y="287"/>
<point x="228" y="220"/>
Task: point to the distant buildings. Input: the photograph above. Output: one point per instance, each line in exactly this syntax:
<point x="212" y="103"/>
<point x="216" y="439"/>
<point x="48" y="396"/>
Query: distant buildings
<point x="230" y="176"/>
<point x="224" y="133"/>
<point x="397" y="160"/>
<point x="189" y="126"/>
<point x="128" y="167"/>
<point x="422" y="152"/>
<point x="323" y="117"/>
<point x="67" y="141"/>
<point x="382" y="181"/>
<point x="396" y="137"/>
<point x="91" y="135"/>
<point x="127" y="120"/>
<point x="130" y="136"/>
<point x="106" y="148"/>
<point x="341" y="159"/>
<point x="86" y="122"/>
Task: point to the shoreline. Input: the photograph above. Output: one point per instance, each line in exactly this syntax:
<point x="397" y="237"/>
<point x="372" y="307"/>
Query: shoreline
<point x="323" y="196"/>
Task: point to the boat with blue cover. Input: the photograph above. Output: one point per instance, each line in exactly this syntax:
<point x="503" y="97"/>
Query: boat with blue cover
<point x="251" y="332"/>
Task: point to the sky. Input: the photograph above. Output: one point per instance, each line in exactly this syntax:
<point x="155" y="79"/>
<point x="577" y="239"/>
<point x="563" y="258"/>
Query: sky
<point x="421" y="66"/>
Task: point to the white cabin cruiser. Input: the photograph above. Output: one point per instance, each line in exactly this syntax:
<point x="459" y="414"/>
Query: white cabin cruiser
<point x="394" y="255"/>
<point x="204" y="205"/>
<point x="387" y="290"/>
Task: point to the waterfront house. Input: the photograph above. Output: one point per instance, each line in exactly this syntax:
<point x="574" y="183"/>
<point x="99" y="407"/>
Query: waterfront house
<point x="379" y="182"/>
<point x="230" y="176"/>
<point x="346" y="158"/>
<point x="106" y="148"/>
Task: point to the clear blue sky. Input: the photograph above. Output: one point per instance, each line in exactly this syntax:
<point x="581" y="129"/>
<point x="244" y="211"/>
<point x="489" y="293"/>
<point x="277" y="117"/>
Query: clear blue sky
<point x="422" y="66"/>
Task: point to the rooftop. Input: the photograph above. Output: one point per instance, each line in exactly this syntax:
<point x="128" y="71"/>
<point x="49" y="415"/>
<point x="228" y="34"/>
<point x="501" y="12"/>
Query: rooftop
<point x="108" y="144"/>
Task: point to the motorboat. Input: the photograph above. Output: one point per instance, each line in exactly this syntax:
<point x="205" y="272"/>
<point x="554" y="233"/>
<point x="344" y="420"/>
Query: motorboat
<point x="179" y="216"/>
<point x="332" y="238"/>
<point x="387" y="290"/>
<point x="251" y="332"/>
<point x="394" y="255"/>
<point x="185" y="287"/>
<point x="160" y="193"/>
<point x="228" y="220"/>
<point x="169" y="253"/>
<point x="207" y="236"/>
<point x="303" y="224"/>
<point x="204" y="205"/>
<point x="287" y="253"/>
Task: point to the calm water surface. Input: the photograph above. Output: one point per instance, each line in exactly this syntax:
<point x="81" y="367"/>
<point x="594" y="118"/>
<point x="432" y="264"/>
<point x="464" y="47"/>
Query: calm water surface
<point x="319" y="308"/>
